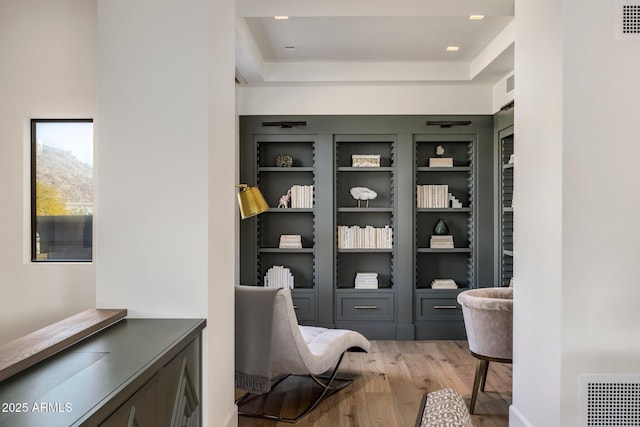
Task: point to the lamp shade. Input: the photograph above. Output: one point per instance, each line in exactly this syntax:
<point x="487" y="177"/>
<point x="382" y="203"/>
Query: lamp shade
<point x="251" y="201"/>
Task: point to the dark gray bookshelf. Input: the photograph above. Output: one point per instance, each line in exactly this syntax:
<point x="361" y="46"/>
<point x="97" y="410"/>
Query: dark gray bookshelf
<point x="504" y="148"/>
<point x="403" y="306"/>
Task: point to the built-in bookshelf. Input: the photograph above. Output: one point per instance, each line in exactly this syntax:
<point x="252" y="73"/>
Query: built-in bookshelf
<point x="505" y="168"/>
<point x="362" y="256"/>
<point x="506" y="197"/>
<point x="445" y="230"/>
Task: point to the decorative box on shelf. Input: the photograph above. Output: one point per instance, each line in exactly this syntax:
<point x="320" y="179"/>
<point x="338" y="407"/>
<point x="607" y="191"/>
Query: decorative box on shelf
<point x="441" y="162"/>
<point x="365" y="160"/>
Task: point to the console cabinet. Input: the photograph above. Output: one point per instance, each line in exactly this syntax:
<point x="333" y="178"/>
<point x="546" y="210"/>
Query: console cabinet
<point x="136" y="372"/>
<point x="383" y="240"/>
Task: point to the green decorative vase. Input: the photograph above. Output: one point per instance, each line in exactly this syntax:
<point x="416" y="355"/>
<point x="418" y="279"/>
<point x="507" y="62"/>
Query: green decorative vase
<point x="441" y="228"/>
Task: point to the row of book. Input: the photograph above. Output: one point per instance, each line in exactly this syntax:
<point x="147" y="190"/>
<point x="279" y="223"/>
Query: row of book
<point x="441" y="242"/>
<point x="433" y="196"/>
<point x="368" y="237"/>
<point x="301" y="196"/>
<point x="278" y="277"/>
<point x="366" y="281"/>
<point x="290" y="241"/>
<point x="444" y="284"/>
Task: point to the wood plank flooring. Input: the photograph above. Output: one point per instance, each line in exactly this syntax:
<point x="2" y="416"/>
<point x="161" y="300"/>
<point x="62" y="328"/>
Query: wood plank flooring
<point x="388" y="388"/>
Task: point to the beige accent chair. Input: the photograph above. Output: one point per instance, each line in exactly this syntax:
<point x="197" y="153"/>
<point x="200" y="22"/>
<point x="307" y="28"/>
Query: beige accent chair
<point x="488" y="320"/>
<point x="271" y="346"/>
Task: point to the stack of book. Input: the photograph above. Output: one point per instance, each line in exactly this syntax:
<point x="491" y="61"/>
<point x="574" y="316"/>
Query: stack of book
<point x="433" y="196"/>
<point x="441" y="242"/>
<point x="444" y="284"/>
<point x="301" y="196"/>
<point x="290" y="241"/>
<point x="441" y="162"/>
<point x="278" y="277"/>
<point x="368" y="237"/>
<point x="366" y="280"/>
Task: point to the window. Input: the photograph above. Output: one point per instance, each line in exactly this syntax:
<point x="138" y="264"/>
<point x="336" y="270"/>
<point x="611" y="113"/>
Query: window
<point x="61" y="189"/>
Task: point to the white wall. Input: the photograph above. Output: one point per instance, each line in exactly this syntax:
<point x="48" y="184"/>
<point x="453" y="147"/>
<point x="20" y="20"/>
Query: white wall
<point x="166" y="202"/>
<point x="47" y="70"/>
<point x="577" y="183"/>
<point x="363" y="99"/>
<point x="152" y="201"/>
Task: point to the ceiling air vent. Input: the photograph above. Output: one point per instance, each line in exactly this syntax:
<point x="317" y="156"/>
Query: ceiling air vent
<point x="627" y="19"/>
<point x="609" y="400"/>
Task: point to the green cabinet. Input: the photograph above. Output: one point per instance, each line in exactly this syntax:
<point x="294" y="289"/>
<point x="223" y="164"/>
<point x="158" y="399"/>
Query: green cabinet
<point x="366" y="261"/>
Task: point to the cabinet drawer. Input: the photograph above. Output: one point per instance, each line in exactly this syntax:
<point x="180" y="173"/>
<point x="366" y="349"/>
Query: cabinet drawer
<point x="365" y="307"/>
<point x="438" y="308"/>
<point x="305" y="306"/>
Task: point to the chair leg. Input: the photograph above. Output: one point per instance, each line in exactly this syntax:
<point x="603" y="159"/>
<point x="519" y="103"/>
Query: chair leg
<point x="327" y="387"/>
<point x="481" y="367"/>
<point x="484" y="375"/>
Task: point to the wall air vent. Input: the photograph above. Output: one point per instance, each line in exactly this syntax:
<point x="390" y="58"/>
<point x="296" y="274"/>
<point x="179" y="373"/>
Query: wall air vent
<point x="511" y="83"/>
<point x="627" y="19"/>
<point x="449" y="123"/>
<point x="285" y="125"/>
<point x="609" y="400"/>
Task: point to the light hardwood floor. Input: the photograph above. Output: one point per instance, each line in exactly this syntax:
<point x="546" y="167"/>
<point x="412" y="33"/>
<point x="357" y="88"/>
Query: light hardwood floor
<point x="391" y="380"/>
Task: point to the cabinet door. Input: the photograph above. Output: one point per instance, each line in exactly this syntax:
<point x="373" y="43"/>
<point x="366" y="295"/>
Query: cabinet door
<point x="181" y="400"/>
<point x="141" y="410"/>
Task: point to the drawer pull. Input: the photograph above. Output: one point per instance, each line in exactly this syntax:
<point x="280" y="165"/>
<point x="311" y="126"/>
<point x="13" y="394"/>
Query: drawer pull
<point x="365" y="307"/>
<point x="445" y="307"/>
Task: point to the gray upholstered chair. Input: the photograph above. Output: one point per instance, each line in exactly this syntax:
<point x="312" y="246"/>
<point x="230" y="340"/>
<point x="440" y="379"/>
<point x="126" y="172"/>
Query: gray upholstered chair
<point x="488" y="320"/>
<point x="271" y="346"/>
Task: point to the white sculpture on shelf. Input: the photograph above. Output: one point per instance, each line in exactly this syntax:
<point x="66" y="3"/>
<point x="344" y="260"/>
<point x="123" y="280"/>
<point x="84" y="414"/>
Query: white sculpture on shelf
<point x="284" y="200"/>
<point x="363" y="193"/>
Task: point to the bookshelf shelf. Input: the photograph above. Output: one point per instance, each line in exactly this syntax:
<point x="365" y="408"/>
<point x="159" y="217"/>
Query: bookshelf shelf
<point x="285" y="169"/>
<point x="451" y="250"/>
<point x="286" y="250"/>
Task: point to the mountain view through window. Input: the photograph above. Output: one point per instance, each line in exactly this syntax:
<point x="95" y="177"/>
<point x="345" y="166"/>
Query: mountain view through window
<point x="61" y="189"/>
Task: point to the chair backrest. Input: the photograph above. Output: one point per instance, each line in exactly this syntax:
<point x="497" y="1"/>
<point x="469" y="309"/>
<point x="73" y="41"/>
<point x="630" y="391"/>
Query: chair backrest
<point x="290" y="353"/>
<point x="488" y="320"/>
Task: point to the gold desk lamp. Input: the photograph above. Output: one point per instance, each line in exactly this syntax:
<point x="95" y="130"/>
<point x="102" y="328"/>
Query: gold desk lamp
<point x="251" y="201"/>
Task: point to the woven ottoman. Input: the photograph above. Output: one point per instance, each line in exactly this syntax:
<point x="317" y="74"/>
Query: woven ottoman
<point x="443" y="408"/>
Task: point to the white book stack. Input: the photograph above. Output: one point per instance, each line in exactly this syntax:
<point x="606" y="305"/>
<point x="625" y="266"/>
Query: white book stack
<point x="366" y="281"/>
<point x="441" y="242"/>
<point x="441" y="162"/>
<point x="278" y="277"/>
<point x="368" y="237"/>
<point x="302" y="196"/>
<point x="432" y="196"/>
<point x="290" y="241"/>
<point x="444" y="284"/>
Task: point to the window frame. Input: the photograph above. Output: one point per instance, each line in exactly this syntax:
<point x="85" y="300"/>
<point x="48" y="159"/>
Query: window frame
<point x="33" y="197"/>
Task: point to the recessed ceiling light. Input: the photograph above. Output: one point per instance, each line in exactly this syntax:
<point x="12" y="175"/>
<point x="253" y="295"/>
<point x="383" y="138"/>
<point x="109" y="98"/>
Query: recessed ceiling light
<point x="289" y="48"/>
<point x="280" y="17"/>
<point x="453" y="48"/>
<point x="476" y="17"/>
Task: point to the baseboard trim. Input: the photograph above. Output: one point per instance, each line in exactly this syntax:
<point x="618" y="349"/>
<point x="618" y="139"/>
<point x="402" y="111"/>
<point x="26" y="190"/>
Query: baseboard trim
<point x="516" y="419"/>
